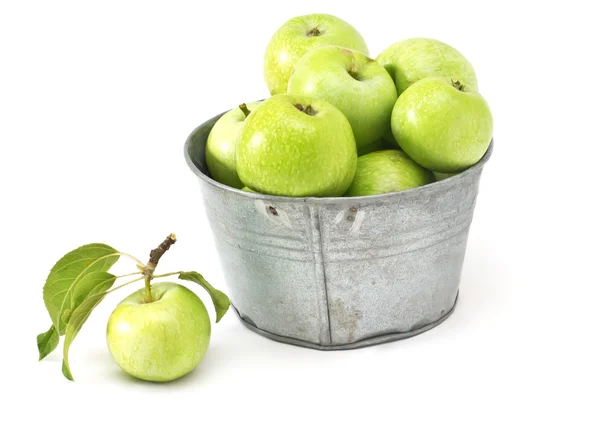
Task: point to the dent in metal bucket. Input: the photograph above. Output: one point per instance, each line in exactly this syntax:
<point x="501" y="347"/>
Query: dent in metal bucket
<point x="340" y="273"/>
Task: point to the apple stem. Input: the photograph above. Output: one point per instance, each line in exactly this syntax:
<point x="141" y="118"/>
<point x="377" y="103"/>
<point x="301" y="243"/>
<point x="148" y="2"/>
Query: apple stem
<point x="155" y="255"/>
<point x="245" y="110"/>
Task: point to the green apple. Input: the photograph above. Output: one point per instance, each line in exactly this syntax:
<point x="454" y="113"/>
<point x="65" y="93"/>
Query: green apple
<point x="294" y="145"/>
<point x="413" y="59"/>
<point x="387" y="171"/>
<point x="442" y="124"/>
<point x="160" y="340"/>
<point x="221" y="143"/>
<point x="299" y="35"/>
<point x="354" y="83"/>
<point x="442" y="176"/>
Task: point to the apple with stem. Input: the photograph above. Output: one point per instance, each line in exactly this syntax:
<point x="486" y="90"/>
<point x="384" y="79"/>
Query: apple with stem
<point x="162" y="339"/>
<point x="300" y="35"/>
<point x="442" y="124"/>
<point x="413" y="59"/>
<point x="354" y="83"/>
<point x="221" y="145"/>
<point x="159" y="333"/>
<point x="294" y="145"/>
<point x="387" y="171"/>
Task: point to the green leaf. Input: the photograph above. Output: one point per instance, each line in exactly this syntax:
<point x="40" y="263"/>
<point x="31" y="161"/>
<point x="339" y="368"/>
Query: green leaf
<point x="103" y="281"/>
<point x="91" y="283"/>
<point x="66" y="372"/>
<point x="64" y="278"/>
<point x="219" y="299"/>
<point x="47" y="342"/>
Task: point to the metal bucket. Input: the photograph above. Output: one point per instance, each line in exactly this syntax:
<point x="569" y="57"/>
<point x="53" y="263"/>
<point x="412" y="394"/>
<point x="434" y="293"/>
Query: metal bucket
<point x="339" y="273"/>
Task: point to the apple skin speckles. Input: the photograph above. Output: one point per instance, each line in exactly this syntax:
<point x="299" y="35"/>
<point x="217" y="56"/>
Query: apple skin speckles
<point x="357" y="85"/>
<point x="162" y="340"/>
<point x="290" y="42"/>
<point x="297" y="154"/>
<point x="221" y="146"/>
<point x="387" y="171"/>
<point x="413" y="59"/>
<point x="440" y="127"/>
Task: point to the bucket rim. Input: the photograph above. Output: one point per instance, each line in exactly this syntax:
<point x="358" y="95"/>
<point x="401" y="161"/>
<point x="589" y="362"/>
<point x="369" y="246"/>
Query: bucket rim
<point x="421" y="190"/>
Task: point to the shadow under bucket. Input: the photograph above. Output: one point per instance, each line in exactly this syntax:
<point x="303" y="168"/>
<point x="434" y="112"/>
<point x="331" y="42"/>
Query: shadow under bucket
<point x="339" y="273"/>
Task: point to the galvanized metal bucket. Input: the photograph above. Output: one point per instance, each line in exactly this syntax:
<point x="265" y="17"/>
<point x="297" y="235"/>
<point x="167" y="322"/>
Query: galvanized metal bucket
<point x="339" y="273"/>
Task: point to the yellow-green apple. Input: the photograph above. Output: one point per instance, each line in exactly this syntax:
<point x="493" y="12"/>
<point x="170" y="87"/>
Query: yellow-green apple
<point x="299" y="35"/>
<point x="413" y="59"/>
<point x="161" y="340"/>
<point x="221" y="144"/>
<point x="387" y="171"/>
<point x="354" y="83"/>
<point x="442" y="124"/>
<point x="294" y="145"/>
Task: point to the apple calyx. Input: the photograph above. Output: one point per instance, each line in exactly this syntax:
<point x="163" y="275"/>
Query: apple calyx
<point x="155" y="255"/>
<point x="244" y="109"/>
<point x="458" y="85"/>
<point x="313" y="32"/>
<point x="308" y="110"/>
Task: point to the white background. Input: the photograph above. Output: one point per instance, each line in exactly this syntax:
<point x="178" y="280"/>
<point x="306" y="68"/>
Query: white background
<point x="96" y="100"/>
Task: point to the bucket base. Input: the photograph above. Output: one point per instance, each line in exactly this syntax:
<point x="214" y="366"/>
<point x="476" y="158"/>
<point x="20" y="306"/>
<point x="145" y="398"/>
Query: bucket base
<point x="374" y="340"/>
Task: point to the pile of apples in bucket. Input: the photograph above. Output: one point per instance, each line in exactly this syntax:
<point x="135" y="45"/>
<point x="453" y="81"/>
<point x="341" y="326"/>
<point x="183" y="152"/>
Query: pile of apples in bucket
<point x="340" y="123"/>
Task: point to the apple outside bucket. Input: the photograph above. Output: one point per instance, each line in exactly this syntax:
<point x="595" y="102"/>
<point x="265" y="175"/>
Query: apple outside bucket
<point x="342" y="272"/>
